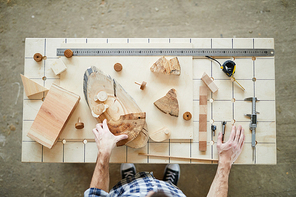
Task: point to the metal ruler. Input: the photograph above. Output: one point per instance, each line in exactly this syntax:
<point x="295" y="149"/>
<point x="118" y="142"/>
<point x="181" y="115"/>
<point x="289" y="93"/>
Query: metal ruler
<point x="168" y="52"/>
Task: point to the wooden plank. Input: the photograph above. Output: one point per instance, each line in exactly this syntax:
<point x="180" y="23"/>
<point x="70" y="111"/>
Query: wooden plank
<point x="31" y="87"/>
<point x="209" y="82"/>
<point x="203" y="94"/>
<point x="58" y="105"/>
<point x="177" y="157"/>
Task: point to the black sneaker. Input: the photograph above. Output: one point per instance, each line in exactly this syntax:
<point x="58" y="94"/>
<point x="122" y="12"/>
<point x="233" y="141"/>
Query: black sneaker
<point x="172" y="173"/>
<point x="127" y="170"/>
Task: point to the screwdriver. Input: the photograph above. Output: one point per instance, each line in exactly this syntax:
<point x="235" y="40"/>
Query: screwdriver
<point x="228" y="67"/>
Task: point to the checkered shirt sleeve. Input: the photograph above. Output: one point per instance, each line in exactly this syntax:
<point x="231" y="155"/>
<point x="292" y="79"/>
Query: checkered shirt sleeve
<point x="138" y="185"/>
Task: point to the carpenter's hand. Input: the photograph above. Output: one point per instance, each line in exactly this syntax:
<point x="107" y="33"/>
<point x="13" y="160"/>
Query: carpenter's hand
<point x="105" y="140"/>
<point x="229" y="151"/>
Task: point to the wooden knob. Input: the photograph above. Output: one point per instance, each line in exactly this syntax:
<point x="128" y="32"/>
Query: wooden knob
<point x="142" y="85"/>
<point x="38" y="57"/>
<point x="117" y="67"/>
<point x="68" y="53"/>
<point x="79" y="124"/>
<point x="187" y="116"/>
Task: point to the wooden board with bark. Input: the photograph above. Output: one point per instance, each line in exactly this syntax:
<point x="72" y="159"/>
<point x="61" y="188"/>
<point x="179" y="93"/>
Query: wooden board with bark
<point x="123" y="114"/>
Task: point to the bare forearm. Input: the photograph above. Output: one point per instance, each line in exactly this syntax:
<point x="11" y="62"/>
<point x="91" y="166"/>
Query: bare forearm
<point x="100" y="177"/>
<point x="219" y="186"/>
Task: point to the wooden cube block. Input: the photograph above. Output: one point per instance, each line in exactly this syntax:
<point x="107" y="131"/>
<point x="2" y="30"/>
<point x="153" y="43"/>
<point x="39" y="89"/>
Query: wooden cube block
<point x="53" y="115"/>
<point x="58" y="66"/>
<point x="209" y="82"/>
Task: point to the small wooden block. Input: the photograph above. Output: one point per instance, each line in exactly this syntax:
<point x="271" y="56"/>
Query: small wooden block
<point x="58" y="105"/>
<point x="117" y="67"/>
<point x="203" y="118"/>
<point x="31" y="87"/>
<point x="68" y="53"/>
<point x="203" y="146"/>
<point x="209" y="82"/>
<point x="160" y="135"/>
<point x="187" y="116"/>
<point x="58" y="66"/>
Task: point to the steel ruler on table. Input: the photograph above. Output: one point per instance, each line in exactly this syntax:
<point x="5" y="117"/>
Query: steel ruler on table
<point x="168" y="52"/>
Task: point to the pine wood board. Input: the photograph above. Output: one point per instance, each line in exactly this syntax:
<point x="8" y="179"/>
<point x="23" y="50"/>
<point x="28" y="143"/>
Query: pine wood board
<point x="54" y="113"/>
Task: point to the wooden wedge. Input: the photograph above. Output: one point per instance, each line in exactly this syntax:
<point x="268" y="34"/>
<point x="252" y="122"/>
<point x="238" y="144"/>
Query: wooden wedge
<point x="169" y="103"/>
<point x="31" y="87"/>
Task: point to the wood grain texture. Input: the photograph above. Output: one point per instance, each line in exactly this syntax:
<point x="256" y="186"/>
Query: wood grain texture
<point x="177" y="157"/>
<point x="160" y="135"/>
<point x="141" y="140"/>
<point x="164" y="66"/>
<point x="58" y="105"/>
<point x="123" y="114"/>
<point x="203" y="94"/>
<point x="31" y="87"/>
<point x="128" y="124"/>
<point x="209" y="82"/>
<point x="169" y="103"/>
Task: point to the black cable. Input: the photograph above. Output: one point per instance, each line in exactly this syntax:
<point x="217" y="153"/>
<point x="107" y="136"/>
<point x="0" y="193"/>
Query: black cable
<point x="214" y="60"/>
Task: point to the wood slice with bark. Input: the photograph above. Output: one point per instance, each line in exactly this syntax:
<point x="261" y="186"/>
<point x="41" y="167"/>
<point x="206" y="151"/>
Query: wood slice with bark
<point x="123" y="114"/>
<point x="169" y="103"/>
<point x="164" y="66"/>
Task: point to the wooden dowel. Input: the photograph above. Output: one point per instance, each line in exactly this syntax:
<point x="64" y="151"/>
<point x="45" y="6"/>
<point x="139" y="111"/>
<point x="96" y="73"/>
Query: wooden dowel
<point x="176" y="157"/>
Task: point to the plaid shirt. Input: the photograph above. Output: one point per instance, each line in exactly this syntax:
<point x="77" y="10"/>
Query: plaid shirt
<point x="138" y="185"/>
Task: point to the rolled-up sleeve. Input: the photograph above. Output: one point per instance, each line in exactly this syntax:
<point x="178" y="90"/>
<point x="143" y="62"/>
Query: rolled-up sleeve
<point x="95" y="192"/>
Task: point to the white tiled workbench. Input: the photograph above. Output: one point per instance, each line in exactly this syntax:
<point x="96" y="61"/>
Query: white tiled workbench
<point x="227" y="104"/>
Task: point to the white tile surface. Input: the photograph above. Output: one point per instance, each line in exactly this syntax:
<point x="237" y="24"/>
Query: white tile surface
<point x="74" y="152"/>
<point x="31" y="152"/>
<point x="54" y="155"/>
<point x="263" y="43"/>
<point x="51" y="46"/>
<point x="221" y="43"/>
<point x="242" y="43"/>
<point x="34" y="45"/>
<point x="202" y="43"/>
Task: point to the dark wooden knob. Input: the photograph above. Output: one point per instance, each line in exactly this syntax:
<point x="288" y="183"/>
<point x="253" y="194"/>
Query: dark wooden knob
<point x="68" y="53"/>
<point x="187" y="116"/>
<point x="117" y="67"/>
<point x="79" y="124"/>
<point x="38" y="57"/>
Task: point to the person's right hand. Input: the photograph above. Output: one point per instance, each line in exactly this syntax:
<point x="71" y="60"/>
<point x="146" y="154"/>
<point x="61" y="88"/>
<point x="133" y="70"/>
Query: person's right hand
<point x="105" y="140"/>
<point x="229" y="151"/>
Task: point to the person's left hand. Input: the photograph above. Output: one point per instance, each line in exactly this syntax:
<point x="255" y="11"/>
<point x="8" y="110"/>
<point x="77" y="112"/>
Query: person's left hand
<point x="105" y="140"/>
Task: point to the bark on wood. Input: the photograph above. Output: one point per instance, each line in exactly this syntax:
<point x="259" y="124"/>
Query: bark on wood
<point x="162" y="65"/>
<point x="169" y="103"/>
<point x="123" y="114"/>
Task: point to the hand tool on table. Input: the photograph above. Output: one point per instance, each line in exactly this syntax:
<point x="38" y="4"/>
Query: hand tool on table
<point x="228" y="67"/>
<point x="223" y="130"/>
<point x="213" y="128"/>
<point x="253" y="123"/>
